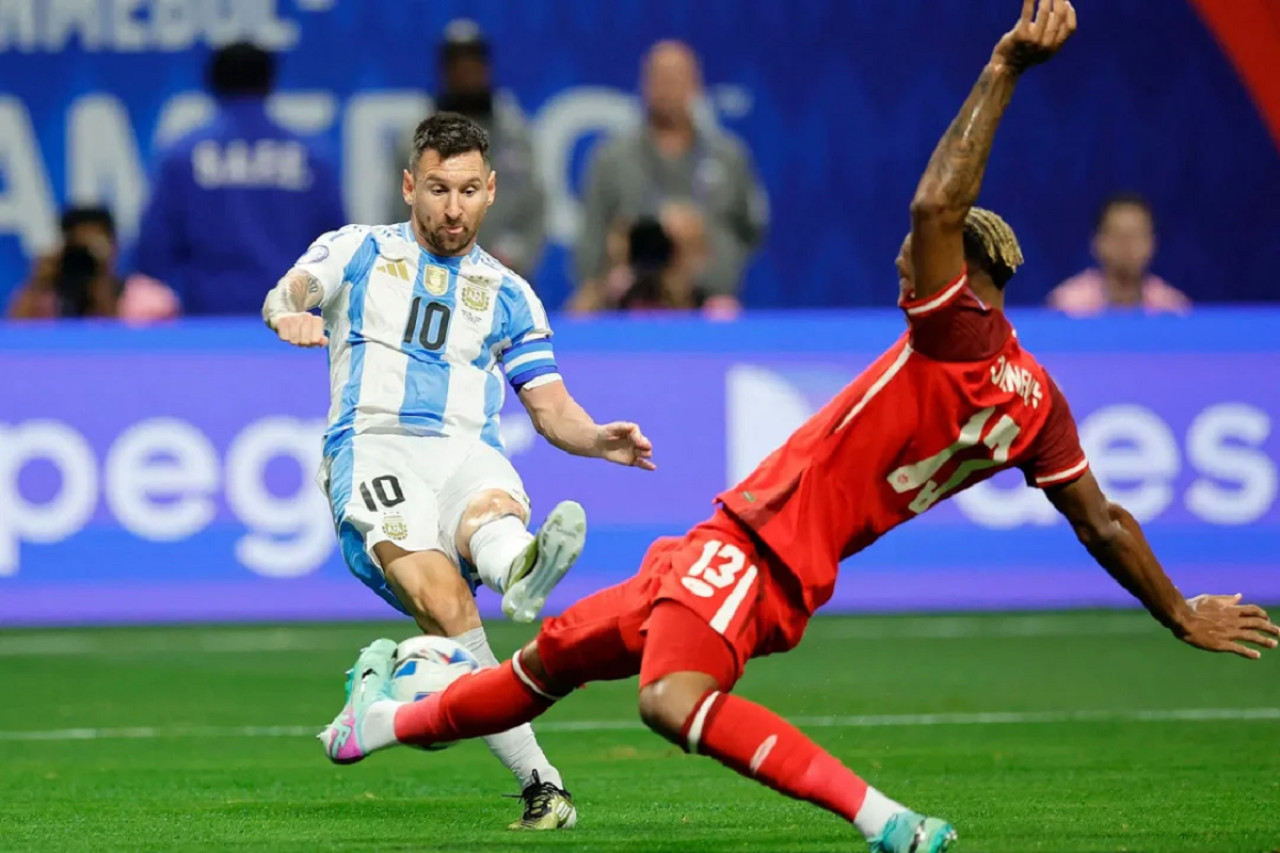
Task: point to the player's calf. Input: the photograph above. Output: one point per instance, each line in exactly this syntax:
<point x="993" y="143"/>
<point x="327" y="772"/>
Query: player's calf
<point x="429" y="586"/>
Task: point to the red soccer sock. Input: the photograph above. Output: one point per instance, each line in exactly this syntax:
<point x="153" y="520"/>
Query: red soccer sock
<point x="758" y="744"/>
<point x="482" y="703"/>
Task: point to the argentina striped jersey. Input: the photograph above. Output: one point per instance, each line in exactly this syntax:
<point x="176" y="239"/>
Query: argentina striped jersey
<point x="419" y="344"/>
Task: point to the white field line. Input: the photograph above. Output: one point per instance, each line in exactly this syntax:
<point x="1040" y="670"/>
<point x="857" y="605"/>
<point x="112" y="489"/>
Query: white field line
<point x="72" y="642"/>
<point x="986" y="718"/>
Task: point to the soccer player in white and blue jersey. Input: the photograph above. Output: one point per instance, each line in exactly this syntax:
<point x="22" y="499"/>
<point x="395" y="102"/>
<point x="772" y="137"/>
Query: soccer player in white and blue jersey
<point x="421" y="324"/>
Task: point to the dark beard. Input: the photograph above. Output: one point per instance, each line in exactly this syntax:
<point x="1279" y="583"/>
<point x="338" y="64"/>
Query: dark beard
<point x="476" y="105"/>
<point x="436" y="241"/>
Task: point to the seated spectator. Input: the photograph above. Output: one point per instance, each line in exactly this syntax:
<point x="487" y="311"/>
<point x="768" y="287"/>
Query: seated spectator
<point x="672" y="159"/>
<point x="78" y="279"/>
<point x="515" y="228"/>
<point x="654" y="264"/>
<point x="1124" y="242"/>
<point x="235" y="202"/>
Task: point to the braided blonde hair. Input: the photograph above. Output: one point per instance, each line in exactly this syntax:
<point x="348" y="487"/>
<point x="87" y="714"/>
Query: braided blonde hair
<point x="989" y="239"/>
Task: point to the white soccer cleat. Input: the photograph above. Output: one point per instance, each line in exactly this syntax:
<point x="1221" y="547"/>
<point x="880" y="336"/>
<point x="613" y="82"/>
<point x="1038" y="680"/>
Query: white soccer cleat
<point x="548" y="558"/>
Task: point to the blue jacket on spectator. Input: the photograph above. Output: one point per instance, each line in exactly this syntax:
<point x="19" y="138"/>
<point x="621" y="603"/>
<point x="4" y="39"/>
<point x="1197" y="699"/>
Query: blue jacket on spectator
<point x="233" y="204"/>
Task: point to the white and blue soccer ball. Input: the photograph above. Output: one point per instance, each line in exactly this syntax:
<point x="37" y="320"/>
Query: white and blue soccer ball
<point x="426" y="665"/>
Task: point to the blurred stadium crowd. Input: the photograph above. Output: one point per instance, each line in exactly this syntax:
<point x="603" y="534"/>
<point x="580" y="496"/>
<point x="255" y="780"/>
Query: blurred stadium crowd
<point x="673" y="210"/>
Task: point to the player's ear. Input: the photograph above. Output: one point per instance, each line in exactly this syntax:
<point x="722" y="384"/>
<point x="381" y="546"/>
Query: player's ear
<point x="406" y="187"/>
<point x="493" y="185"/>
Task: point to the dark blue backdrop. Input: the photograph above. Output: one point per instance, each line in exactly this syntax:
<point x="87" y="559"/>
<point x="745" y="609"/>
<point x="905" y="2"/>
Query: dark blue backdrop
<point x="840" y="100"/>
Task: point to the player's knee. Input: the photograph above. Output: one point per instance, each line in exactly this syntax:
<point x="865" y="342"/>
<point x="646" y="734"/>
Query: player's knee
<point x="666" y="704"/>
<point x="483" y="508"/>
<point x="532" y="665"/>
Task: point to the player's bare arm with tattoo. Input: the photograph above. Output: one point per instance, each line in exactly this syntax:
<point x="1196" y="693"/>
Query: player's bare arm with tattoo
<point x="953" y="177"/>
<point x="287" y="310"/>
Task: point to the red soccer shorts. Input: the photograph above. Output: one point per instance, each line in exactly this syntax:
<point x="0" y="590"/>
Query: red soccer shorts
<point x="713" y="592"/>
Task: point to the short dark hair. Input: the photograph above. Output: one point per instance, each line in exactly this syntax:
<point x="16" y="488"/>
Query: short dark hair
<point x="1125" y="199"/>
<point x="74" y="217"/>
<point x="241" y="69"/>
<point x="448" y="134"/>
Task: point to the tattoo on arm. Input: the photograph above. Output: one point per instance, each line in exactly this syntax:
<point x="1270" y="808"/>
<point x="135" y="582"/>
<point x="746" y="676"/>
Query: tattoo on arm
<point x="954" y="174"/>
<point x="304" y="290"/>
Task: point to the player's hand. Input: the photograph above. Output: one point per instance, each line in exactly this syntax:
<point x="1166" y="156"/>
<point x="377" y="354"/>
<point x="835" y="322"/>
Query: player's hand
<point x="625" y="444"/>
<point x="1036" y="37"/>
<point x="1220" y="623"/>
<point x="302" y="329"/>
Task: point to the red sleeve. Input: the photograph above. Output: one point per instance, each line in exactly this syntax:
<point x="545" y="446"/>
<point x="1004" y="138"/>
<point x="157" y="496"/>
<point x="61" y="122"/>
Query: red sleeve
<point x="1056" y="458"/>
<point x="955" y="325"/>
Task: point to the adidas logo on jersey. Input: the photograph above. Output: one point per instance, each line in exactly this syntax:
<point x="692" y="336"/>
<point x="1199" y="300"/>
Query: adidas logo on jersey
<point x="399" y="269"/>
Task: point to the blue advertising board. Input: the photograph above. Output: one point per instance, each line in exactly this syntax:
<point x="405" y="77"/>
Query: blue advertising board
<point x="168" y="473"/>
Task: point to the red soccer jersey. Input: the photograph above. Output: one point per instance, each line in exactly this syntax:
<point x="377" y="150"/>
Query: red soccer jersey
<point x="954" y="401"/>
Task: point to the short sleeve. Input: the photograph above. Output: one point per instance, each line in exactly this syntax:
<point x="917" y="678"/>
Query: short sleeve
<point x="955" y="325"/>
<point x="528" y="360"/>
<point x="330" y="256"/>
<point x="1056" y="457"/>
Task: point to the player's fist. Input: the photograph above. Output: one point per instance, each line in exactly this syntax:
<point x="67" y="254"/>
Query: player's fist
<point x="1043" y="27"/>
<point x="625" y="444"/>
<point x="302" y="329"/>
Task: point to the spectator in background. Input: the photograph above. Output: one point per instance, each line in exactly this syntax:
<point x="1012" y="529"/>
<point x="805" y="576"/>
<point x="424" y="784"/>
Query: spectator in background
<point x="78" y="279"/>
<point x="238" y="200"/>
<point x="515" y="229"/>
<point x="673" y="158"/>
<point x="654" y="264"/>
<point x="1124" y="241"/>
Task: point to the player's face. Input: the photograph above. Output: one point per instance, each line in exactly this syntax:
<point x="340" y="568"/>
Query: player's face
<point x="903" y="263"/>
<point x="1126" y="241"/>
<point x="449" y="200"/>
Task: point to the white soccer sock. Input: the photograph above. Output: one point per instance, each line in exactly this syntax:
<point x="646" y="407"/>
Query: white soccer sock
<point x="875" y="813"/>
<point x="379" y="729"/>
<point x="517" y="748"/>
<point x="495" y="545"/>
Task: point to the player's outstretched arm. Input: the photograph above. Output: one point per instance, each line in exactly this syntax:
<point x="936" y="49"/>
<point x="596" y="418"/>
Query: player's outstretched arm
<point x="949" y="187"/>
<point x="1216" y="623"/>
<point x="287" y="309"/>
<point x="562" y="421"/>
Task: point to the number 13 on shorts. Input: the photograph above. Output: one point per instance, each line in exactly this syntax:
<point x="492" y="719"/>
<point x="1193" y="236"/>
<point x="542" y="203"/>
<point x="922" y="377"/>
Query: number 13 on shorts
<point x="719" y="574"/>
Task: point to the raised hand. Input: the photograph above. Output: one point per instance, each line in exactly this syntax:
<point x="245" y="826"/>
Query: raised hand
<point x="625" y="444"/>
<point x="1036" y="37"/>
<point x="1220" y="623"/>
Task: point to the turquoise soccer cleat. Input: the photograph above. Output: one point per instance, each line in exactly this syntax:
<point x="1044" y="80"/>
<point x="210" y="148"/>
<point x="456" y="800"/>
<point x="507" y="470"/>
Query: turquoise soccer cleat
<point x="908" y="832"/>
<point x="368" y="681"/>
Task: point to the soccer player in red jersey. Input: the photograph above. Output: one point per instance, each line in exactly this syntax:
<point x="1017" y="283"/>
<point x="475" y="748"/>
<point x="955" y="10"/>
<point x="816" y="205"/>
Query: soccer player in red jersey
<point x="955" y="400"/>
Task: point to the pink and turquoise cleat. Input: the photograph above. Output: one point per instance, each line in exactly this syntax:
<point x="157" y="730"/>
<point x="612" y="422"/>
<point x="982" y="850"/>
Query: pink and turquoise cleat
<point x="367" y="682"/>
<point x="908" y="832"/>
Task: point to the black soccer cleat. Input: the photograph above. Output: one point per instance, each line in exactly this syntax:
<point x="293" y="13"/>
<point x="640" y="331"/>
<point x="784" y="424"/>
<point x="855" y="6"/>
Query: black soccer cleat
<point x="545" y="807"/>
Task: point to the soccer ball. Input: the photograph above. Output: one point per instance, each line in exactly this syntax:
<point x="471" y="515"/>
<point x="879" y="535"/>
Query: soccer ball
<point x="426" y="665"/>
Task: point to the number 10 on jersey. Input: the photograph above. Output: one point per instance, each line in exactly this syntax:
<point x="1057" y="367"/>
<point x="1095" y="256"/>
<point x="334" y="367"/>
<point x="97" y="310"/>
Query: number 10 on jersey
<point x="431" y="326"/>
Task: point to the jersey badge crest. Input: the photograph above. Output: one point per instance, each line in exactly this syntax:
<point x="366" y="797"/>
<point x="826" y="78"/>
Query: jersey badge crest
<point x="394" y="527"/>
<point x="475" y="297"/>
<point x="436" y="280"/>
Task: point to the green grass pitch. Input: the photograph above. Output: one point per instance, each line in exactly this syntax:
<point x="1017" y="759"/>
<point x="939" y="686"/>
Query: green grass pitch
<point x="1088" y="732"/>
